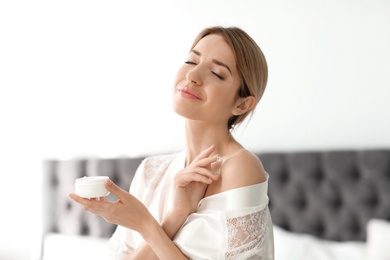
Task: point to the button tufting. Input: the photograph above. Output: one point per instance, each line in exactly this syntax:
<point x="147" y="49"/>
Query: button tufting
<point x="85" y="230"/>
<point x="69" y="206"/>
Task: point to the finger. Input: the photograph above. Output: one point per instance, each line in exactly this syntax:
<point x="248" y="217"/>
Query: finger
<point x="206" y="153"/>
<point x="76" y="198"/>
<point x="114" y="189"/>
<point x="192" y="177"/>
<point x="205" y="172"/>
<point x="194" y="170"/>
<point x="93" y="205"/>
<point x="202" y="179"/>
<point x="209" y="166"/>
<point x="88" y="204"/>
<point x="207" y="161"/>
<point x="201" y="175"/>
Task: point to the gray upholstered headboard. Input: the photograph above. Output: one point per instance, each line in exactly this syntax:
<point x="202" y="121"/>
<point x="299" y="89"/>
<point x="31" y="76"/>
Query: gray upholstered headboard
<point x="329" y="194"/>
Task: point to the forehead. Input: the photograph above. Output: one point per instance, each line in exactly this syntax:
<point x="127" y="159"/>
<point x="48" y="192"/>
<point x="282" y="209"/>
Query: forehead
<point x="214" y="46"/>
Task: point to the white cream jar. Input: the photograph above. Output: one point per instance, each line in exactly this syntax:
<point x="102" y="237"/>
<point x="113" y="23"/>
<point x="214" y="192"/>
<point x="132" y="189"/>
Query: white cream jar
<point x="91" y="187"/>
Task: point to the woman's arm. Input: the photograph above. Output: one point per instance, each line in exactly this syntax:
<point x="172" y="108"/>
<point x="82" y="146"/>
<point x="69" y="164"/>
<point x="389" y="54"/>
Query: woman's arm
<point x="155" y="240"/>
<point x="129" y="212"/>
<point x="189" y="188"/>
<point x="158" y="245"/>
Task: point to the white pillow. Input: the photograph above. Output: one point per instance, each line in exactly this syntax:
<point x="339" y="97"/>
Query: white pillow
<point x="294" y="246"/>
<point x="378" y="240"/>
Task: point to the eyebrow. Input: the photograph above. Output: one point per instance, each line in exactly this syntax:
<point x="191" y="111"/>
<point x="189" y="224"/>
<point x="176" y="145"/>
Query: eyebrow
<point x="220" y="63"/>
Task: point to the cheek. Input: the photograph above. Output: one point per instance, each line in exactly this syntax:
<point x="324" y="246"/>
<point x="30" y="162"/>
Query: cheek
<point x="225" y="96"/>
<point x="220" y="103"/>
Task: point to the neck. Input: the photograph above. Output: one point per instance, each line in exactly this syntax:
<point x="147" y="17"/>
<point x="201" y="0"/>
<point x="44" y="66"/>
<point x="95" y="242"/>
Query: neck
<point x="200" y="136"/>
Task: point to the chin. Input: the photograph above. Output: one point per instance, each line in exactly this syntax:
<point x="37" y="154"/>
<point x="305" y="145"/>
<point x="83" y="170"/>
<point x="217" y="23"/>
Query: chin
<point x="181" y="111"/>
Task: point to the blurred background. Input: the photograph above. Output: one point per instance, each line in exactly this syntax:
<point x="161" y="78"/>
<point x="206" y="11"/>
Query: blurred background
<point x="94" y="79"/>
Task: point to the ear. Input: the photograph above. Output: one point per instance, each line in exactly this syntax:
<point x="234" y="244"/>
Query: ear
<point x="243" y="105"/>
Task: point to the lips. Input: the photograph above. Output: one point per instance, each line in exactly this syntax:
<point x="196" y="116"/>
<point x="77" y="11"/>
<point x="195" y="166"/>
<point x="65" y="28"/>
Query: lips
<point x="188" y="93"/>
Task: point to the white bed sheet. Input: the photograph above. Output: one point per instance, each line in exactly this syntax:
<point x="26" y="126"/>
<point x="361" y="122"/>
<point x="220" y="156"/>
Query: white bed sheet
<point x="288" y="246"/>
<point x="293" y="246"/>
<point x="66" y="247"/>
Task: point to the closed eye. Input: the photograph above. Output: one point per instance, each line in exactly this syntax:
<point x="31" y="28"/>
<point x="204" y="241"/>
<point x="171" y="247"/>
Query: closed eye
<point x="214" y="73"/>
<point x="218" y="76"/>
<point x="190" y="62"/>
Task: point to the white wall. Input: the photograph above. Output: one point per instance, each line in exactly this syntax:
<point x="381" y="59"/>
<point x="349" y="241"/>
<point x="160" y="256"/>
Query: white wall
<point x="94" y="78"/>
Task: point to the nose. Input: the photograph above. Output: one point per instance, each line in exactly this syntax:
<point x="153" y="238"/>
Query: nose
<point x="194" y="76"/>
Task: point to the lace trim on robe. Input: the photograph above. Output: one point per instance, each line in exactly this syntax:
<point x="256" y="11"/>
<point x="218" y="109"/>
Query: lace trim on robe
<point x="154" y="170"/>
<point x="246" y="233"/>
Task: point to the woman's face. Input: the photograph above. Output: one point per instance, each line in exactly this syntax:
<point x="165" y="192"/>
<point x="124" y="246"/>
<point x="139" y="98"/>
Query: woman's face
<point x="206" y="86"/>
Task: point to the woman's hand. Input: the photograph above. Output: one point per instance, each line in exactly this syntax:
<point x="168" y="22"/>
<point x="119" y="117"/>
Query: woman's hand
<point x="127" y="211"/>
<point x="190" y="184"/>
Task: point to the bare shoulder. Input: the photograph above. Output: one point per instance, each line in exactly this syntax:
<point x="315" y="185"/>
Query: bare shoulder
<point x="241" y="169"/>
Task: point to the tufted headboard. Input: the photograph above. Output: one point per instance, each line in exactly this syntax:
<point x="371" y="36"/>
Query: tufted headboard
<point x="330" y="194"/>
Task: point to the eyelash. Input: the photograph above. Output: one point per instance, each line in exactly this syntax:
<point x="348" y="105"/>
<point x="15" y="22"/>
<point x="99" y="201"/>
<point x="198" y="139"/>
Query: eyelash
<point x="215" y="74"/>
<point x="218" y="76"/>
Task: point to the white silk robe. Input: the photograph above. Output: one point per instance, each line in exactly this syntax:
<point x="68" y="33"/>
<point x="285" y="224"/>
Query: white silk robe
<point x="235" y="224"/>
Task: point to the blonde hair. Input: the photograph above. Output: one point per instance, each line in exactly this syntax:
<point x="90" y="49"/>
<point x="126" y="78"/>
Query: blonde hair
<point x="250" y="61"/>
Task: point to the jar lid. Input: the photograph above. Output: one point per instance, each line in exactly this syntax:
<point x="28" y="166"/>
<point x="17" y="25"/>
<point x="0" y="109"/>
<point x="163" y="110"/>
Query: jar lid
<point x="91" y="180"/>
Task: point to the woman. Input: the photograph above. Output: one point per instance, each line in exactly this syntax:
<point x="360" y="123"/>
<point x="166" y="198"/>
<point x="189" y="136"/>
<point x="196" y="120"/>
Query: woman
<point x="209" y="201"/>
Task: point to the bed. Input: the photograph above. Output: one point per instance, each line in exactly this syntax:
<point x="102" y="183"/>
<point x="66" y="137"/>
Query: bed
<point x="325" y="205"/>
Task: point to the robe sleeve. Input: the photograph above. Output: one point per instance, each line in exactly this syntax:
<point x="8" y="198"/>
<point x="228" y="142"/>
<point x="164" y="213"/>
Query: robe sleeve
<point x="228" y="232"/>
